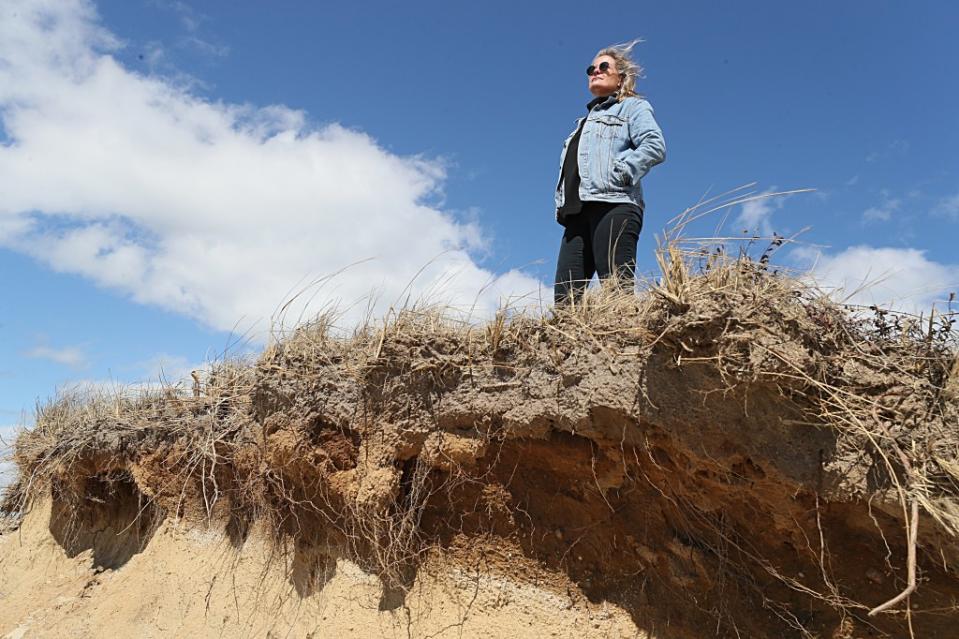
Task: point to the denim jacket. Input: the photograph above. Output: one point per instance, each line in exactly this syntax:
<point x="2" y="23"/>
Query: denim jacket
<point x="620" y="142"/>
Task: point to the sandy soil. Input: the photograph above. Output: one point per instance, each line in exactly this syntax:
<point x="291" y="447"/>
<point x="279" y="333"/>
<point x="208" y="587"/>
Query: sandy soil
<point x="192" y="583"/>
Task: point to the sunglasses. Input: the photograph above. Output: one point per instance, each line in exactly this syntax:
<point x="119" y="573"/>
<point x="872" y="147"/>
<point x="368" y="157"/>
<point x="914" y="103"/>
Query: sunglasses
<point x="603" y="68"/>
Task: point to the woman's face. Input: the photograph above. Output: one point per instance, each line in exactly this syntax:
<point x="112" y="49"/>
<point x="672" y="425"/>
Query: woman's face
<point x="603" y="83"/>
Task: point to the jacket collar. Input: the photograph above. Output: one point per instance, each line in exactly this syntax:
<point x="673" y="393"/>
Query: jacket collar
<point x="602" y="100"/>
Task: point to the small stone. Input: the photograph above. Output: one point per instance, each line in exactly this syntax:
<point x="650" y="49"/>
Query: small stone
<point x="874" y="576"/>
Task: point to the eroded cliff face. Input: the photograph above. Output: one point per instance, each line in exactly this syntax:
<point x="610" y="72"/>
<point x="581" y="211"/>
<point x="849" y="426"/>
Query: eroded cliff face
<point x="190" y="581"/>
<point x="729" y="460"/>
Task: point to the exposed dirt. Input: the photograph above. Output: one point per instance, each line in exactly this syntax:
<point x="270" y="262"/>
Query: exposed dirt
<point x="680" y="473"/>
<point x="192" y="582"/>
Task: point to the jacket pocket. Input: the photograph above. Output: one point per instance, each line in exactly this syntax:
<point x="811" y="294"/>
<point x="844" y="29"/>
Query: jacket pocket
<point x="621" y="174"/>
<point x="610" y="126"/>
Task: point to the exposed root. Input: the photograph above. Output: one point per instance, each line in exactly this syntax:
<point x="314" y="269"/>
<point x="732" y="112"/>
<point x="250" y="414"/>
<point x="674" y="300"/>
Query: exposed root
<point x="911" y="560"/>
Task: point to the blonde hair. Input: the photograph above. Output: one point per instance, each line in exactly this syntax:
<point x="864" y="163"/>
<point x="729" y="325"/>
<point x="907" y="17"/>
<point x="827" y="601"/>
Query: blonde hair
<point x="628" y="69"/>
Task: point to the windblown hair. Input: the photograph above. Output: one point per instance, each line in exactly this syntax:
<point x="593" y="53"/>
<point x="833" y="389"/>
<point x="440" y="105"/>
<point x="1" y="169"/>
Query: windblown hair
<point x="627" y="68"/>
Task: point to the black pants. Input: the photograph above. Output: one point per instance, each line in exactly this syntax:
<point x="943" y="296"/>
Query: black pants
<point x="600" y="239"/>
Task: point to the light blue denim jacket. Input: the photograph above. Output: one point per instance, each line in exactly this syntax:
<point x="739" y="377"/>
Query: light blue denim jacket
<point x="620" y="142"/>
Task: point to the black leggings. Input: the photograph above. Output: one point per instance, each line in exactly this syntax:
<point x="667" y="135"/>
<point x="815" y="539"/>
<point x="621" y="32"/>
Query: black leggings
<point x="600" y="239"/>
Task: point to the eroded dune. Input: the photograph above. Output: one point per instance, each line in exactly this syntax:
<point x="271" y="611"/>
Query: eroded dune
<point x="727" y="454"/>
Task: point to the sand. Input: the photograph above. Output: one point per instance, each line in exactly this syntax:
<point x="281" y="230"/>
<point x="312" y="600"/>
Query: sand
<point x="188" y="582"/>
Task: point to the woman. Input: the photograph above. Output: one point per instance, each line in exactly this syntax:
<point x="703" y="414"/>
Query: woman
<point x="598" y="196"/>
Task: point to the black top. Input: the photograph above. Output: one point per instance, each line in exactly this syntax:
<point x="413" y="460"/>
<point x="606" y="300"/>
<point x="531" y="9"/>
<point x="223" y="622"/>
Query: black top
<point x="572" y="205"/>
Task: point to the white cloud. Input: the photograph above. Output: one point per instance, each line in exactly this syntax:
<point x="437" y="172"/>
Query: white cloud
<point x="168" y="367"/>
<point x="207" y="48"/>
<point x="191" y="21"/>
<point x="71" y="356"/>
<point x="7" y="469"/>
<point x="189" y="18"/>
<point x="756" y="213"/>
<point x="883" y="212"/>
<point x="948" y="207"/>
<point x="91" y="387"/>
<point x="896" y="148"/>
<point x="210" y="209"/>
<point x="8" y="434"/>
<point x="160" y="372"/>
<point x="163" y="369"/>
<point x="904" y="279"/>
<point x="899" y="146"/>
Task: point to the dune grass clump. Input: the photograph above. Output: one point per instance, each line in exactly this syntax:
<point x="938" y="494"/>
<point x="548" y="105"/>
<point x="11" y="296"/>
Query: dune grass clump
<point x="354" y="441"/>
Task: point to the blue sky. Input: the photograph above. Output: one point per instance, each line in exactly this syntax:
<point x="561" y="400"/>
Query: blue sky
<point x="173" y="171"/>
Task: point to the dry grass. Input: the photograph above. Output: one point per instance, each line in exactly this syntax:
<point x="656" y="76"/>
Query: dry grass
<point x="888" y="383"/>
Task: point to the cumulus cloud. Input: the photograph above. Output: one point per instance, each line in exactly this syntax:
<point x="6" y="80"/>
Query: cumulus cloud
<point x="71" y="356"/>
<point x="218" y="211"/>
<point x="903" y="279"/>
